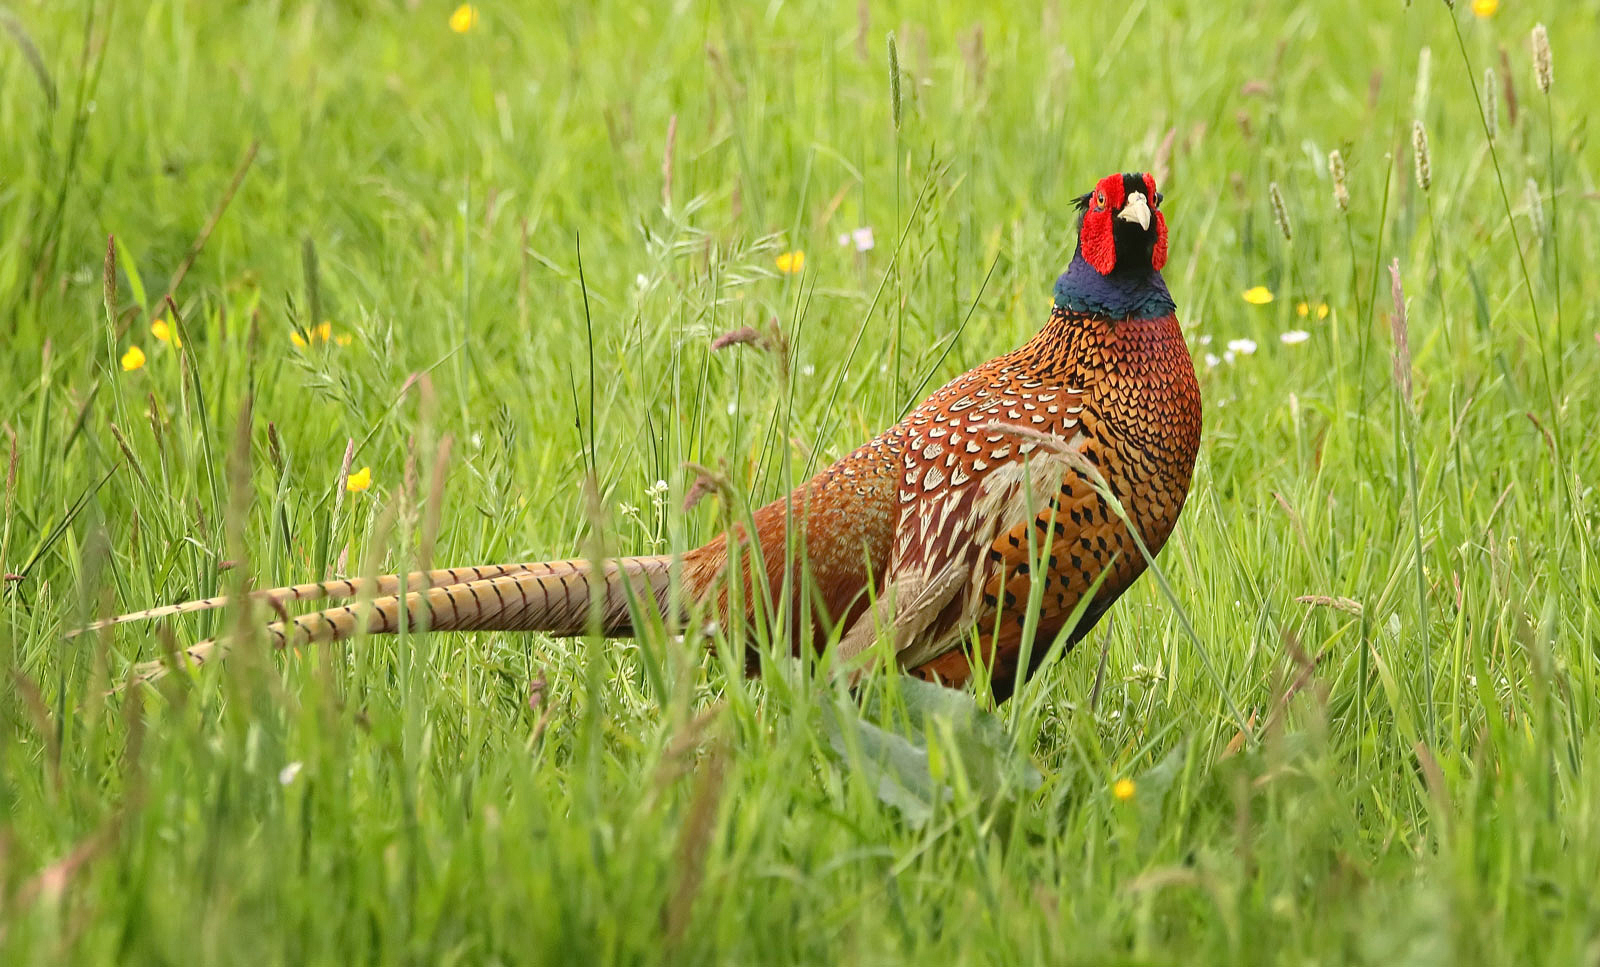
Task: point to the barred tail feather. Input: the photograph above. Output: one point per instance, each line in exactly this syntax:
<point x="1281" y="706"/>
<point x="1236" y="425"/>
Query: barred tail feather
<point x="357" y="587"/>
<point x="554" y="597"/>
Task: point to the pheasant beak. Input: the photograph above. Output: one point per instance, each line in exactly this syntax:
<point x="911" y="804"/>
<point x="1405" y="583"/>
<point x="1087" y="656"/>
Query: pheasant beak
<point x="1136" y="209"/>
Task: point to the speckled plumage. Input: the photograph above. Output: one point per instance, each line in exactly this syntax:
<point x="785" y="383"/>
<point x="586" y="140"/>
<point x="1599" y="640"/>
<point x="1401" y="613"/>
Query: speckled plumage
<point x="946" y="520"/>
<point x="1009" y="511"/>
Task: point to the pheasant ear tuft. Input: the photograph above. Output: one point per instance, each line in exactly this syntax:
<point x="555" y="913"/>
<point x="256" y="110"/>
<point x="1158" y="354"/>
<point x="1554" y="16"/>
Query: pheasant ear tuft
<point x="1081" y="203"/>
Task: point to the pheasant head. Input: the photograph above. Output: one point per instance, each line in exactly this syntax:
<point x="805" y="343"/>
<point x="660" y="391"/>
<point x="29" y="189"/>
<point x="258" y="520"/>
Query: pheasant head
<point x="1122" y="247"/>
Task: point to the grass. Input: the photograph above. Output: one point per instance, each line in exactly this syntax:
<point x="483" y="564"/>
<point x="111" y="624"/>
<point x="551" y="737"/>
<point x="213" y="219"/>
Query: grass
<point x="485" y="216"/>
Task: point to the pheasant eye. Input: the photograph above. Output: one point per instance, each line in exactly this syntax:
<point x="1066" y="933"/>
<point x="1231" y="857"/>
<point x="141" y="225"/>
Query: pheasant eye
<point x="1100" y="199"/>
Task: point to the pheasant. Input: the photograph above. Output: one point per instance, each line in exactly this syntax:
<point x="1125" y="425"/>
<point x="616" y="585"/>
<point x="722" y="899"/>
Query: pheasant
<point x="1012" y="487"/>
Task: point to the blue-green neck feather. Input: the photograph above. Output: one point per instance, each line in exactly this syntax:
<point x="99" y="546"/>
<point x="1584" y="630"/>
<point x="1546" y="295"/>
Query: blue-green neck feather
<point x="1132" y="294"/>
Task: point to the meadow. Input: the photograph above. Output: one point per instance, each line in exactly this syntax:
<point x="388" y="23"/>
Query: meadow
<point x="293" y="289"/>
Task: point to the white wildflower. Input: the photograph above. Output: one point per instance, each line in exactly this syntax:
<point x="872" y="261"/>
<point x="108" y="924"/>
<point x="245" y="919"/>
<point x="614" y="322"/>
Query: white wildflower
<point x="862" y="238"/>
<point x="1243" y="347"/>
<point x="287" y="774"/>
<point x="1294" y="336"/>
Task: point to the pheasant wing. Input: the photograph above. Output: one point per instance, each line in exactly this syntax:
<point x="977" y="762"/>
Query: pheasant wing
<point x="975" y="477"/>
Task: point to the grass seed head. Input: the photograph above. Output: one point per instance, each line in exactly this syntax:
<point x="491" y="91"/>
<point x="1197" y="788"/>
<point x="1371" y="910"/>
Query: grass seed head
<point x="1419" y="151"/>
<point x="1419" y="98"/>
<point x="1280" y="211"/>
<point x="1535" y="204"/>
<point x="1508" y="80"/>
<point x="1341" y="190"/>
<point x="1491" y="104"/>
<point x="894" y="81"/>
<point x="108" y="281"/>
<point x="1401" y="333"/>
<point x="1543" y="70"/>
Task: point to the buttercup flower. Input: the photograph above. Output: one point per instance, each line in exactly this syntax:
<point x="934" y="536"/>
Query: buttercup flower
<point x="359" y="481"/>
<point x="164" y="331"/>
<point x="322" y="332"/>
<point x="1123" y="789"/>
<point x="791" y="263"/>
<point x="1485" y="8"/>
<point x="132" y="359"/>
<point x="464" y="18"/>
<point x="1304" y="309"/>
<point x="1258" y="295"/>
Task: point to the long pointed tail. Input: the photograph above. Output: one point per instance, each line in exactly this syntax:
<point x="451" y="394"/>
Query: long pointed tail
<point x="276" y="598"/>
<point x="553" y="597"/>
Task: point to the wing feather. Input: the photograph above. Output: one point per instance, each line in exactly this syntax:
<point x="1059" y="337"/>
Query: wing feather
<point x="967" y="483"/>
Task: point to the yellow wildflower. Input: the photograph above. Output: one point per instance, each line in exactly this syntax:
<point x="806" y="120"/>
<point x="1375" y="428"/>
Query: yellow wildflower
<point x="132" y="359"/>
<point x="343" y="339"/>
<point x="1123" y="789"/>
<point x="1485" y="8"/>
<point x="791" y="263"/>
<point x="322" y="332"/>
<point x="166" y="332"/>
<point x="1322" y="310"/>
<point x="1258" y="295"/>
<point x="464" y="18"/>
<point x="359" y="481"/>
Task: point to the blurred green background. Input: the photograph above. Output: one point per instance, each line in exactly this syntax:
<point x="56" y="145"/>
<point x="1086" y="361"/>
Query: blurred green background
<point x="523" y="225"/>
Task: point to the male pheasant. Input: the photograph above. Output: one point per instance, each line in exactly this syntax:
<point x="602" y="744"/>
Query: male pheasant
<point x="933" y="534"/>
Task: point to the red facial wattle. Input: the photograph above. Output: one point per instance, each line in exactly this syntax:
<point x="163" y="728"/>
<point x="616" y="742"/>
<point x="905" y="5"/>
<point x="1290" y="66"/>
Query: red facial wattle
<point x="1097" y="239"/>
<point x="1097" y="242"/>
<point x="1158" y="256"/>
